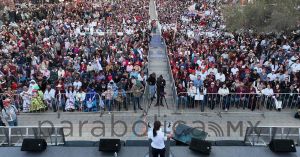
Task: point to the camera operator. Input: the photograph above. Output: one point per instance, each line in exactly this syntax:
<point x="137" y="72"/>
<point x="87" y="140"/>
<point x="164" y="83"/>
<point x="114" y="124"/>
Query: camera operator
<point x="152" y="82"/>
<point x="160" y="85"/>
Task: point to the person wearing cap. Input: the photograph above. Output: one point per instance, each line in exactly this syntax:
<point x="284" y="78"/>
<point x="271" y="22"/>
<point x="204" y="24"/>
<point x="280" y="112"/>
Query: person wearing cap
<point x="9" y="113"/>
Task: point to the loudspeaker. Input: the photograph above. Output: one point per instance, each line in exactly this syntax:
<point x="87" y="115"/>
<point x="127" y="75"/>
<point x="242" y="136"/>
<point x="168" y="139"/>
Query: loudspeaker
<point x="184" y="134"/>
<point x="282" y="145"/>
<point x="110" y="145"/>
<point x="200" y="146"/>
<point x="34" y="145"/>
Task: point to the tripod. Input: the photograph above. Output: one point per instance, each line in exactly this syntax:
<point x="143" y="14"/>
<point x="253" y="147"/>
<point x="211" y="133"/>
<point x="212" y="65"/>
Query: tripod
<point x="149" y="105"/>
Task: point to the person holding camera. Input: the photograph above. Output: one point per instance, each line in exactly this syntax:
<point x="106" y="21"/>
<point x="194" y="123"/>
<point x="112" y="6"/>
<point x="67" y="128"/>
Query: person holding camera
<point x="160" y="85"/>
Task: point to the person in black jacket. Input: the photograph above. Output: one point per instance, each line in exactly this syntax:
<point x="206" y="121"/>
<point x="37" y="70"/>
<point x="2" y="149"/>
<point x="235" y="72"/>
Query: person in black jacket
<point x="152" y="82"/>
<point x="297" y="115"/>
<point x="160" y="85"/>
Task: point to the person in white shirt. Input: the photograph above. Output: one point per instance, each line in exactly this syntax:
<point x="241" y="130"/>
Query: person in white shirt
<point x="61" y="72"/>
<point x="213" y="69"/>
<point x="234" y="70"/>
<point x="77" y="84"/>
<point x="157" y="140"/>
<point x="224" y="92"/>
<point x="296" y="66"/>
<point x="79" y="99"/>
<point x="272" y="75"/>
<point x="220" y="76"/>
<point x="191" y="94"/>
<point x="26" y="96"/>
<point x="268" y="93"/>
<point x="49" y="96"/>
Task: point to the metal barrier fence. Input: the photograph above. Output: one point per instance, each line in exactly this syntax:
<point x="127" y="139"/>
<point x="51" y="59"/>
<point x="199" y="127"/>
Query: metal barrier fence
<point x="238" y="100"/>
<point x="125" y="101"/>
<point x="13" y="136"/>
<point x="88" y="102"/>
<point x="173" y="87"/>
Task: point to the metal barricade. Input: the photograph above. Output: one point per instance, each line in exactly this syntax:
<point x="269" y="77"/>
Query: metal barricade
<point x="13" y="136"/>
<point x="252" y="101"/>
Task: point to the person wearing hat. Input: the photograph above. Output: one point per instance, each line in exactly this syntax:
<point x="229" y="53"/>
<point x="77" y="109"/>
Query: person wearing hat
<point x="9" y="113"/>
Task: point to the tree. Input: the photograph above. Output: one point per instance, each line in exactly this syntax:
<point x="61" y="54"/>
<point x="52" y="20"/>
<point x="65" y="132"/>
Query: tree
<point x="263" y="15"/>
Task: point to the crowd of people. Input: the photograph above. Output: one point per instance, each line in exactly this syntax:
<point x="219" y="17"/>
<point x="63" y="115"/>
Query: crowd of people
<point x="210" y="64"/>
<point x="74" y="56"/>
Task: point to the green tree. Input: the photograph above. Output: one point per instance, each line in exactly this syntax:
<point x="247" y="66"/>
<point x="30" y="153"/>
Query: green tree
<point x="263" y="15"/>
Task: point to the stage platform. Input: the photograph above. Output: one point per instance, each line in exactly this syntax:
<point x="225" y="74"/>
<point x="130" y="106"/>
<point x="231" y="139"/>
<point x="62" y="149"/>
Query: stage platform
<point x="133" y="151"/>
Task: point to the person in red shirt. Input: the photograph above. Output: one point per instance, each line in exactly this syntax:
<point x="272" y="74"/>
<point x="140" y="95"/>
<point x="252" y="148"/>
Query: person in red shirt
<point x="181" y="95"/>
<point x="212" y="91"/>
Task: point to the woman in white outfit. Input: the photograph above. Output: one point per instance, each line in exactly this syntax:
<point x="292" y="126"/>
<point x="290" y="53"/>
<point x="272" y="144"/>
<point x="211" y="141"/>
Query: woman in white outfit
<point x="70" y="95"/>
<point x="26" y="96"/>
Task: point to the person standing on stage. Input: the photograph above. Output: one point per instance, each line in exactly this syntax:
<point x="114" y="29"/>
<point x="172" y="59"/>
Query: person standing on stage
<point x="157" y="143"/>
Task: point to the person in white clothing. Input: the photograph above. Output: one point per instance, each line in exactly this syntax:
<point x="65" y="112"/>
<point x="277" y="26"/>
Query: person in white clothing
<point x="220" y="76"/>
<point x="49" y="96"/>
<point x="201" y="97"/>
<point x="234" y="70"/>
<point x="26" y="96"/>
<point x="70" y="95"/>
<point x="79" y="99"/>
<point x="77" y="84"/>
<point x="268" y="93"/>
<point x="157" y="140"/>
<point x="272" y="75"/>
<point x="224" y="92"/>
<point x="296" y="66"/>
<point x="191" y="94"/>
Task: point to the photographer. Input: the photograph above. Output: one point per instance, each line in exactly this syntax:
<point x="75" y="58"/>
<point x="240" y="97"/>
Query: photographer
<point x="160" y="85"/>
<point x="152" y="82"/>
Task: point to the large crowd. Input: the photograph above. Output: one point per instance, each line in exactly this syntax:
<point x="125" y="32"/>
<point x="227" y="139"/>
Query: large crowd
<point x="74" y="53"/>
<point x="210" y="64"/>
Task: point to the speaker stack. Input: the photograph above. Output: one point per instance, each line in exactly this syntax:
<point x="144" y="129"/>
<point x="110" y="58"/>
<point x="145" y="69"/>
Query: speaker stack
<point x="34" y="145"/>
<point x="110" y="145"/>
<point x="282" y="145"/>
<point x="201" y="146"/>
